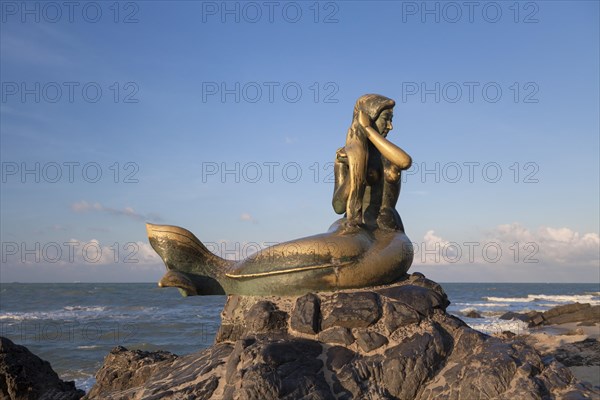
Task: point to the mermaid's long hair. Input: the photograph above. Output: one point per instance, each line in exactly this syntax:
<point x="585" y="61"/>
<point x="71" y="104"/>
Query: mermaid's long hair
<point x="372" y="105"/>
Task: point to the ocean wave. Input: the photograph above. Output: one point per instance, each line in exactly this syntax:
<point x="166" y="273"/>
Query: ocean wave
<point x="85" y="308"/>
<point x="83" y="379"/>
<point x="66" y="313"/>
<point x="495" y="325"/>
<point x="483" y="304"/>
<point x="15" y="316"/>
<point x="580" y="298"/>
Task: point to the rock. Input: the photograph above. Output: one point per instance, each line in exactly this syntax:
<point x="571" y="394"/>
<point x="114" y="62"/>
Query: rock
<point x="398" y="314"/>
<point x="536" y="318"/>
<point x="583" y="353"/>
<point x="513" y="315"/>
<point x="338" y="357"/>
<point x="265" y="317"/>
<point x="406" y="347"/>
<point x="305" y="316"/>
<point x="505" y="335"/>
<point x="565" y="309"/>
<point x="587" y="323"/>
<point x="575" y="312"/>
<point x="369" y="340"/>
<point x="156" y="375"/>
<point x="242" y="316"/>
<point x="25" y="376"/>
<point x="532" y="318"/>
<point x="472" y="314"/>
<point x="419" y="279"/>
<point x="575" y="332"/>
<point x="350" y="310"/>
<point x="336" y="335"/>
<point x="125" y="369"/>
<point x="422" y="299"/>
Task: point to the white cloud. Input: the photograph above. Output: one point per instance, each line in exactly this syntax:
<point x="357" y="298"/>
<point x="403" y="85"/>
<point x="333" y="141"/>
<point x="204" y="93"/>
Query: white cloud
<point x="513" y="244"/>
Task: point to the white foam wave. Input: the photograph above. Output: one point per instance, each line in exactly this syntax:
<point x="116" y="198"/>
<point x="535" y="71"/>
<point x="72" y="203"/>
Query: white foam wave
<point x="84" y="380"/>
<point x="483" y="304"/>
<point x="581" y="298"/>
<point x="495" y="325"/>
<point x="85" y="308"/>
<point x="14" y="316"/>
<point x="68" y="312"/>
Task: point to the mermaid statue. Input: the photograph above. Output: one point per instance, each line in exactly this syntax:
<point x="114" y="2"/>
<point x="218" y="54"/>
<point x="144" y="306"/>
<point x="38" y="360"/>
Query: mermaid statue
<point x="367" y="247"/>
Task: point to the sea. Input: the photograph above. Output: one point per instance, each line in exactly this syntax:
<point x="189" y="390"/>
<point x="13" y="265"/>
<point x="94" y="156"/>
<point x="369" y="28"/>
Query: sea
<point x="75" y="325"/>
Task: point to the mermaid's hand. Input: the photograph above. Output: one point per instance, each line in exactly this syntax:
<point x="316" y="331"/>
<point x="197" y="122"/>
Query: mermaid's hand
<point x="341" y="156"/>
<point x="363" y="119"/>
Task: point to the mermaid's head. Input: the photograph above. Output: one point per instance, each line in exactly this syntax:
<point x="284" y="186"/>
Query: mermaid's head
<point x="378" y="108"/>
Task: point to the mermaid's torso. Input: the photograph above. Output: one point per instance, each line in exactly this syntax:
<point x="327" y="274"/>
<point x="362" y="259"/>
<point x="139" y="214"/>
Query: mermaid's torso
<point x="382" y="190"/>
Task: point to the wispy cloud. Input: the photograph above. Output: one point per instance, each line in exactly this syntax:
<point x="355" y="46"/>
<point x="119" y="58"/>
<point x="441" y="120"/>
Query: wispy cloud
<point x="52" y="228"/>
<point x="25" y="50"/>
<point x="84" y="207"/>
<point x="99" y="229"/>
<point x="247" y="217"/>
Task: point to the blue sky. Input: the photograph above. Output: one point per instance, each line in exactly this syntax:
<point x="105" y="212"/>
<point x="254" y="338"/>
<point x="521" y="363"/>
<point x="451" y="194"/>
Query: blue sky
<point x="171" y="95"/>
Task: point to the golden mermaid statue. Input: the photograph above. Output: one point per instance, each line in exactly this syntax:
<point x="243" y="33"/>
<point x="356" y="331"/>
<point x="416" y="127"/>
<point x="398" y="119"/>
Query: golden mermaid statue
<point x="367" y="247"/>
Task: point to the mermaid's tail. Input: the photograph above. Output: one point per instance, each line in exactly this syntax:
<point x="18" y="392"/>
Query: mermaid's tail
<point x="338" y="259"/>
<point x="191" y="267"/>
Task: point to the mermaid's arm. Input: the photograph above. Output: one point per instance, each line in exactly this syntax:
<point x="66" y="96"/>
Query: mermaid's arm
<point x="342" y="188"/>
<point x="389" y="150"/>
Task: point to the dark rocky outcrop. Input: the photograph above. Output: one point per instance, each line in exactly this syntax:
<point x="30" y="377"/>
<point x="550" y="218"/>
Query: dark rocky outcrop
<point x="585" y="314"/>
<point x="124" y="369"/>
<point x="513" y="315"/>
<point x="394" y="342"/>
<point x="472" y="314"/>
<point x="583" y="353"/>
<point x="575" y="312"/>
<point x="25" y="376"/>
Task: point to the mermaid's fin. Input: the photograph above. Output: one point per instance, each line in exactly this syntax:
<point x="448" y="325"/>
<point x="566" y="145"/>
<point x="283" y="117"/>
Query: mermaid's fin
<point x="191" y="285"/>
<point x="190" y="265"/>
